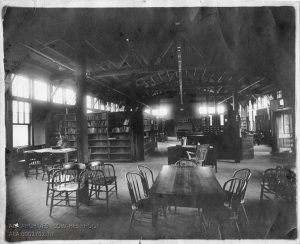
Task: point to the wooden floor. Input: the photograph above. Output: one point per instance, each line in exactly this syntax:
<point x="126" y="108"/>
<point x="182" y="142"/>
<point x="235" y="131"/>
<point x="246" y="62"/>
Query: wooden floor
<point x="26" y="207"/>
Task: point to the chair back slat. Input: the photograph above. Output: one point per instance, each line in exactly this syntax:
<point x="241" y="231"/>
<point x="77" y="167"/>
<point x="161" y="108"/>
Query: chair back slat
<point x="235" y="189"/>
<point x="136" y="187"/>
<point x="244" y="174"/>
<point x="147" y="173"/>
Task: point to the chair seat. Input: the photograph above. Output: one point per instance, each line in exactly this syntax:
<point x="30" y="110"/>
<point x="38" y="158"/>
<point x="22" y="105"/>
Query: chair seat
<point x="66" y="187"/>
<point x="144" y="204"/>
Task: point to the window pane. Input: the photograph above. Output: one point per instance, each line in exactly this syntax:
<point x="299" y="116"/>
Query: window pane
<point x="26" y="107"/>
<point x="20" y="86"/>
<point x="70" y="97"/>
<point x="20" y="135"/>
<point x="89" y="102"/>
<point x="96" y="103"/>
<point x="27" y="118"/>
<point x="57" y="97"/>
<point x="40" y="90"/>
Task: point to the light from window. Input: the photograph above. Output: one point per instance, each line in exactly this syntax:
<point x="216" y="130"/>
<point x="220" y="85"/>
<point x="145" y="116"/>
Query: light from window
<point x="220" y="109"/>
<point x="20" y="135"/>
<point x="279" y="94"/>
<point x="203" y="110"/>
<point x="20" y="86"/>
<point x="57" y="95"/>
<point x="21" y="112"/>
<point x="70" y="97"/>
<point x="40" y="90"/>
<point x="21" y="123"/>
<point x="211" y="110"/>
<point x="96" y="103"/>
<point x="210" y="120"/>
<point x="89" y="102"/>
<point x="102" y="107"/>
<point x="221" y="119"/>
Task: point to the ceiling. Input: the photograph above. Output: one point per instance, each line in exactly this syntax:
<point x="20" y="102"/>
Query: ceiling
<point x="134" y="53"/>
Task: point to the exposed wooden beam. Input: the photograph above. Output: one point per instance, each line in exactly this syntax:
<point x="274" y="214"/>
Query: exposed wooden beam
<point x="163" y="53"/>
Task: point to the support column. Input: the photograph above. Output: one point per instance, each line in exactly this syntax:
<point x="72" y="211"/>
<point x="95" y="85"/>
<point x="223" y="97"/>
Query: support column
<point x="237" y="146"/>
<point x="81" y="117"/>
<point x="9" y="120"/>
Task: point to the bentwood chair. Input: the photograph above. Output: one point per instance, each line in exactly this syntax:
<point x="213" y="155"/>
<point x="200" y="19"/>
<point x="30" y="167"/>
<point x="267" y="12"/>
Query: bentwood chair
<point x="65" y="186"/>
<point x="33" y="164"/>
<point x="186" y="163"/>
<point x="49" y="162"/>
<point x="244" y="174"/>
<point x="140" y="200"/>
<point x="278" y="182"/>
<point x="235" y="189"/>
<point x="147" y="173"/>
<point x="101" y="179"/>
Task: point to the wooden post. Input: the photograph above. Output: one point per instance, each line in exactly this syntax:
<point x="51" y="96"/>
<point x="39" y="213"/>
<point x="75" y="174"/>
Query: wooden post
<point x="9" y="120"/>
<point x="236" y="126"/>
<point x="81" y="117"/>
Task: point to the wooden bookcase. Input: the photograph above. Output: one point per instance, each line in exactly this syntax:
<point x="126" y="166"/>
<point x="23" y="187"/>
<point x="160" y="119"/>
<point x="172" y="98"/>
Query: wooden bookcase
<point x="65" y="124"/>
<point x="110" y="136"/>
<point x="150" y="125"/>
<point x="98" y="144"/>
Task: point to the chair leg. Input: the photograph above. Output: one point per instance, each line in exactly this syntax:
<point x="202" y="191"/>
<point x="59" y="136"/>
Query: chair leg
<point x="77" y="203"/>
<point x="131" y="219"/>
<point x="106" y="188"/>
<point x="47" y="194"/>
<point x="238" y="228"/>
<point x="51" y="206"/>
<point x="36" y="172"/>
<point x="245" y="213"/>
<point x="67" y="199"/>
<point x="116" y="186"/>
<point x="261" y="195"/>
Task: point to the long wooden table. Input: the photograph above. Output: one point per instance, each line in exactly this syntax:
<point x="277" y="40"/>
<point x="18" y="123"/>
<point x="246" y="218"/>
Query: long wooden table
<point x="64" y="151"/>
<point x="195" y="187"/>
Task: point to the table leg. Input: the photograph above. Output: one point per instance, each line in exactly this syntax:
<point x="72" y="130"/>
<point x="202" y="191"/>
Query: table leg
<point x="66" y="157"/>
<point x="154" y="213"/>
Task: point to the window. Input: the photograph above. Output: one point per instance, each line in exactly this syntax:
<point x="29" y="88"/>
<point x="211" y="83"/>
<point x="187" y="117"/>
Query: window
<point x="70" y="97"/>
<point x="21" y="123"/>
<point x="57" y="95"/>
<point x="211" y="110"/>
<point x="89" y="102"/>
<point x="96" y="103"/>
<point x="20" y="86"/>
<point x="279" y="94"/>
<point x="40" y="90"/>
<point x="102" y="107"/>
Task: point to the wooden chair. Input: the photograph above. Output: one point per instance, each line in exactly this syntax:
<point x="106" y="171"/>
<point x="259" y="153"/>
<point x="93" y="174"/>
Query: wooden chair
<point x="33" y="164"/>
<point x="204" y="155"/>
<point x="235" y="189"/>
<point x="50" y="161"/>
<point x="244" y="174"/>
<point x="147" y="173"/>
<point x="140" y="201"/>
<point x="102" y="179"/>
<point x="277" y="182"/>
<point x="186" y="163"/>
<point x="65" y="186"/>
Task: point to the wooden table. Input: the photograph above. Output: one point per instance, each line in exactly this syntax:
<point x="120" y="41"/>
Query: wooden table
<point x="64" y="151"/>
<point x="195" y="187"/>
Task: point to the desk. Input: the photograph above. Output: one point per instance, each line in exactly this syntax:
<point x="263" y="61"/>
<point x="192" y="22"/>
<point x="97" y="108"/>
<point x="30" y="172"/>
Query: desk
<point x="64" y="151"/>
<point x="186" y="187"/>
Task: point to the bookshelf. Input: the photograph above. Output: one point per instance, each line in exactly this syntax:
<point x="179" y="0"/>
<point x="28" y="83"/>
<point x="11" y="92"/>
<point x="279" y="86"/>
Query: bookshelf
<point x="97" y="124"/>
<point x="109" y="136"/>
<point x="65" y="124"/>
